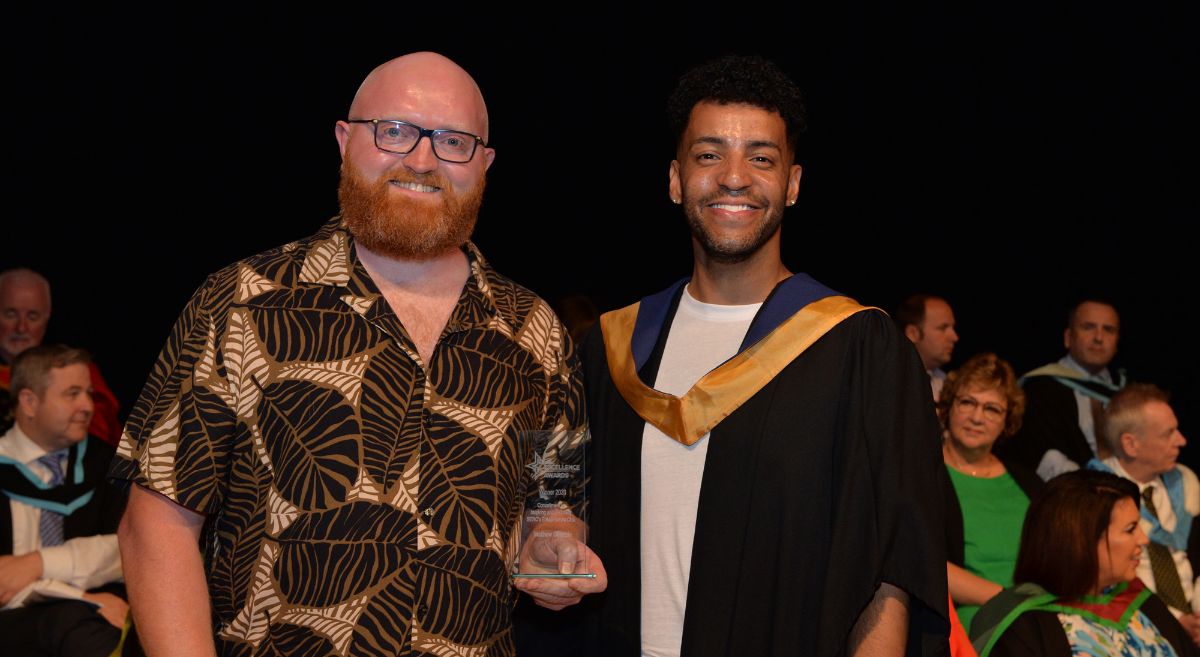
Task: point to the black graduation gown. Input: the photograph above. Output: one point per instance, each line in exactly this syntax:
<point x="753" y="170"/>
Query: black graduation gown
<point x="822" y="485"/>
<point x="101" y="515"/>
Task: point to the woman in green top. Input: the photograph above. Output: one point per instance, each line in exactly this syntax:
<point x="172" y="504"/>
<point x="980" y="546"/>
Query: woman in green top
<point x="980" y="403"/>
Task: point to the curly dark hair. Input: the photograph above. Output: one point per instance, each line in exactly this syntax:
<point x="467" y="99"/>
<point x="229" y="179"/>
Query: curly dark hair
<point x="744" y="79"/>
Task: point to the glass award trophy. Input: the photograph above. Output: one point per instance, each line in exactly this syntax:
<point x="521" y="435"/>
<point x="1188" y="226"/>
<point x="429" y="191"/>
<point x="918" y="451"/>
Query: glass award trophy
<point x="553" y="528"/>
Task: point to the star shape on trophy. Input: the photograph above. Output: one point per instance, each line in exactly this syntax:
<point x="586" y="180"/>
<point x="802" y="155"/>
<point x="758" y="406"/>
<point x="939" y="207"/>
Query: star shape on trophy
<point x="541" y="466"/>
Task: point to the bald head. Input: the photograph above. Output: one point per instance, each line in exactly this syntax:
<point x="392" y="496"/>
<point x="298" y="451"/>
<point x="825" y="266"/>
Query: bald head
<point x="426" y="83"/>
<point x="24" y="311"/>
<point x="414" y="204"/>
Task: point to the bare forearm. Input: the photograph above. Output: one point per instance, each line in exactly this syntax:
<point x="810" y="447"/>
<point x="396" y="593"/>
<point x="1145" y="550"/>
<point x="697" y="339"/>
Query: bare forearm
<point x="882" y="628"/>
<point x="967" y="588"/>
<point x="164" y="575"/>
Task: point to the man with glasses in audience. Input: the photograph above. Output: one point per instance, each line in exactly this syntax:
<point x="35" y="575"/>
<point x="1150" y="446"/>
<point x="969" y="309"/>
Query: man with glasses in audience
<point x="336" y="418"/>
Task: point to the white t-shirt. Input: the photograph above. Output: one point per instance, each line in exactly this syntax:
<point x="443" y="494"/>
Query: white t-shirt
<point x="702" y="337"/>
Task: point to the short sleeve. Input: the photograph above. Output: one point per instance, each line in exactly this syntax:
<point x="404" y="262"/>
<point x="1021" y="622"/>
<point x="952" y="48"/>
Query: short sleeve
<point x="567" y="411"/>
<point x="178" y="436"/>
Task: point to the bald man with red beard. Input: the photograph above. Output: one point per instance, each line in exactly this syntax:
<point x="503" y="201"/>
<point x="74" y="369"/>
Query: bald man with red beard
<point x="336" y="420"/>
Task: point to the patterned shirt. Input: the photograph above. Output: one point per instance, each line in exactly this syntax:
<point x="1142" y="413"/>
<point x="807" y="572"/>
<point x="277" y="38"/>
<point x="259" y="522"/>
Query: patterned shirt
<point x="1140" y="638"/>
<point x="358" y="503"/>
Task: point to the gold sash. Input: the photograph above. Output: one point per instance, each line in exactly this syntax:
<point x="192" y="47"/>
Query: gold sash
<point x="721" y="391"/>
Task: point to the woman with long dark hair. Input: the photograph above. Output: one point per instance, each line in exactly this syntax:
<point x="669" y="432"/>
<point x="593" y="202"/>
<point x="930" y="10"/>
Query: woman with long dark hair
<point x="1079" y="593"/>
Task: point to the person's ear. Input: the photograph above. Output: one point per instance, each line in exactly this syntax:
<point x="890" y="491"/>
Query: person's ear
<point x="341" y="132"/>
<point x="27" y="403"/>
<point x="1130" y="444"/>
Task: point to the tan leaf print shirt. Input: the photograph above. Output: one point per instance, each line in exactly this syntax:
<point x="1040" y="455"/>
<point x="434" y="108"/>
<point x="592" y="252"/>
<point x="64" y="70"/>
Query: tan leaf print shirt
<point x="358" y="504"/>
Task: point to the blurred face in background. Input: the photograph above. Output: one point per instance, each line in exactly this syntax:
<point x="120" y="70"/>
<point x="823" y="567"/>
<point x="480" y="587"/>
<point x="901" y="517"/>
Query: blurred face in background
<point x="24" y="313"/>
<point x="1155" y="446"/>
<point x="1091" y="339"/>
<point x="58" y="416"/>
<point x="977" y="417"/>
<point x="936" y="337"/>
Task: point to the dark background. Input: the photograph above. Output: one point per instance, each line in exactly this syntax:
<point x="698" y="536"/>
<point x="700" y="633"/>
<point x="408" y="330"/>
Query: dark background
<point x="1009" y="156"/>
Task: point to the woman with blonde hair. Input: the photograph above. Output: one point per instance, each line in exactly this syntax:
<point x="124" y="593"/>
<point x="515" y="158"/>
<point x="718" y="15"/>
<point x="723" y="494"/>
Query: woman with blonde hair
<point x="986" y="497"/>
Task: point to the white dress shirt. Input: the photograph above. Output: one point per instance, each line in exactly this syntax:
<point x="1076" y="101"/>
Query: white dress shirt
<point x="1166" y="518"/>
<point x="83" y="563"/>
<point x="1054" y="462"/>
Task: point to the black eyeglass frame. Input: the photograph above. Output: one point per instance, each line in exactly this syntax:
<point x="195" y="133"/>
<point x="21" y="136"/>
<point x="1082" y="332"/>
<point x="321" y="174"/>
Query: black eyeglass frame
<point x="423" y="133"/>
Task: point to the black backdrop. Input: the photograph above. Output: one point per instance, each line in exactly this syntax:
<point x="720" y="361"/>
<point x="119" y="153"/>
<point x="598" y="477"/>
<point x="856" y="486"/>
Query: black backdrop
<point x="1009" y="156"/>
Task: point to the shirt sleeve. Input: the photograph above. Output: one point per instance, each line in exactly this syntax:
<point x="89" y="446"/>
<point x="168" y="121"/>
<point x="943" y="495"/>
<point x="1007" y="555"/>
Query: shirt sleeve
<point x="179" y="433"/>
<point x="85" y="563"/>
<point x="566" y="408"/>
<point x="567" y="411"/>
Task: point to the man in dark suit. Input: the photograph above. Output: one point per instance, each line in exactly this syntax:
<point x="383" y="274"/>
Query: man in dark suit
<point x="60" y="569"/>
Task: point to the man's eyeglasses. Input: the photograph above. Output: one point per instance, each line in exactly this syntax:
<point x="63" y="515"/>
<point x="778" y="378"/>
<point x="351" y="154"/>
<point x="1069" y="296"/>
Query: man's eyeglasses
<point x="401" y="137"/>
<point x="992" y="412"/>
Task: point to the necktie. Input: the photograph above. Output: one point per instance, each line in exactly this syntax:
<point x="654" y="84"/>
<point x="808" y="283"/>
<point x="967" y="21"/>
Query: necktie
<point x="50" y="526"/>
<point x="1162" y="564"/>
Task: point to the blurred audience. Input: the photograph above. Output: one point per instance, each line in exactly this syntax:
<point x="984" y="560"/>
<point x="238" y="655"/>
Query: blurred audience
<point x="578" y="314"/>
<point x="928" y="322"/>
<point x="986" y="496"/>
<point x="24" y="314"/>
<point x="1079" y="592"/>
<point x="60" y="569"/>
<point x="1144" y="435"/>
<point x="1065" y="399"/>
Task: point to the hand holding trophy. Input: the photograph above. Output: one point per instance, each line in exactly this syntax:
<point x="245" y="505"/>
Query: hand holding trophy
<point x="555" y="565"/>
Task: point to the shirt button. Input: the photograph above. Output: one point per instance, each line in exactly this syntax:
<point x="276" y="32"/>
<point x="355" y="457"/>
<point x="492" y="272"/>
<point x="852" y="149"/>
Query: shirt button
<point x="428" y="513"/>
<point x="422" y="610"/>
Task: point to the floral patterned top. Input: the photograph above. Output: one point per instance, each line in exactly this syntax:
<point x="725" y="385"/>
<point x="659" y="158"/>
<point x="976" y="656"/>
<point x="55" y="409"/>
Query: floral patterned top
<point x="1140" y="638"/>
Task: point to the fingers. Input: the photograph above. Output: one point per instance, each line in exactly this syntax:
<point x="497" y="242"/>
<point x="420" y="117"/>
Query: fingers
<point x="560" y="552"/>
<point x="597" y="584"/>
<point x="568" y="554"/>
<point x="550" y="593"/>
<point x="572" y="557"/>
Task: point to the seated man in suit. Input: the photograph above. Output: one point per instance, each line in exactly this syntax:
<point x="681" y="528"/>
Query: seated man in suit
<point x="1064" y="400"/>
<point x="1144" y="435"/>
<point x="60" y="569"/>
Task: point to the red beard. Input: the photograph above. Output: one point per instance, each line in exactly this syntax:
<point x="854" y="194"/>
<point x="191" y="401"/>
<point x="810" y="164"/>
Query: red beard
<point x="395" y="226"/>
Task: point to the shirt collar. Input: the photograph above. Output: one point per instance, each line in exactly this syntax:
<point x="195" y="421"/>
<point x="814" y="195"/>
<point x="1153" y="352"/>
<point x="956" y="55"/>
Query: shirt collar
<point x="21" y="447"/>
<point x="1103" y="375"/>
<point x="1115" y="463"/>
<point x="476" y="305"/>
